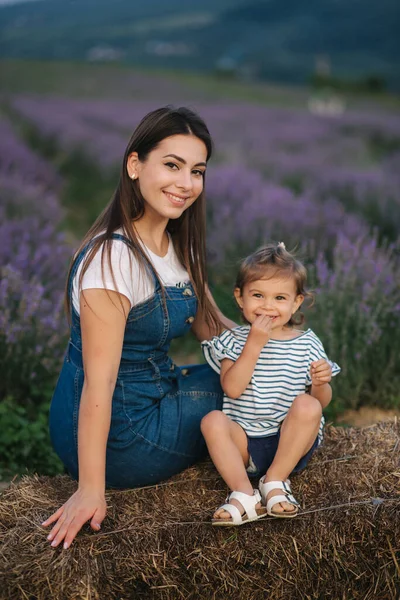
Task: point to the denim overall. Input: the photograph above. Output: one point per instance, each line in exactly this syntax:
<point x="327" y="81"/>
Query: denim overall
<point x="156" y="406"/>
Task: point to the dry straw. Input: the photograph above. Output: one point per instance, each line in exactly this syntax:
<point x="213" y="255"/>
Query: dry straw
<point x="158" y="542"/>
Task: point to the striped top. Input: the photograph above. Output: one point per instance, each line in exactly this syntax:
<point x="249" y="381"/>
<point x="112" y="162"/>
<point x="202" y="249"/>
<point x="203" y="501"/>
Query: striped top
<point x="281" y="373"/>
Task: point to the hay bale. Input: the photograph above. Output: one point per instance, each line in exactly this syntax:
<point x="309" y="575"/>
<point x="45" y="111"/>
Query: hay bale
<point x="158" y="542"/>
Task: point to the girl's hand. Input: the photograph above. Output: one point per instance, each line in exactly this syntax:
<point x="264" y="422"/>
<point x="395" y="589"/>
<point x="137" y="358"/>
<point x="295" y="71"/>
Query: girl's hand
<point x="260" y="330"/>
<point x="82" y="506"/>
<point x="321" y="372"/>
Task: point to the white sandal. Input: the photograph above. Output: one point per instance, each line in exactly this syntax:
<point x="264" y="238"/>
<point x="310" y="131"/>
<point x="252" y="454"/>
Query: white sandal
<point x="287" y="496"/>
<point x="251" y="513"/>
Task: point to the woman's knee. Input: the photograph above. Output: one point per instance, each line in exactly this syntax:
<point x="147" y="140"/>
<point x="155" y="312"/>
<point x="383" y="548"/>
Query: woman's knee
<point x="306" y="407"/>
<point x="214" y="422"/>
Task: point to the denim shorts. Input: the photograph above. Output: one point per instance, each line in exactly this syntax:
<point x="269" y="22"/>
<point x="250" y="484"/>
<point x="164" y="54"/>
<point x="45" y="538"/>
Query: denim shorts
<point x="262" y="452"/>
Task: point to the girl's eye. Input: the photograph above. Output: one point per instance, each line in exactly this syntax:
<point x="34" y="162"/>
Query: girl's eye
<point x="280" y="297"/>
<point x="257" y="295"/>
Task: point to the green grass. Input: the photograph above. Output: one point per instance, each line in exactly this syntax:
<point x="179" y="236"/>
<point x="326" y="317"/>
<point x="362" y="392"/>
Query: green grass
<point x="95" y="80"/>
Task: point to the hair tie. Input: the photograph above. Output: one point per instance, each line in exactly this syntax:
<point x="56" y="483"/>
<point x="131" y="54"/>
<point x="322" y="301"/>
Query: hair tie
<point x="281" y="245"/>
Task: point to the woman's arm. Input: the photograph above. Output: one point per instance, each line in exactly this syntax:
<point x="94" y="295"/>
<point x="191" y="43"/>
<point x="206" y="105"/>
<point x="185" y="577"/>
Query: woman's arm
<point x="103" y="325"/>
<point x="200" y="328"/>
<point x="103" y="319"/>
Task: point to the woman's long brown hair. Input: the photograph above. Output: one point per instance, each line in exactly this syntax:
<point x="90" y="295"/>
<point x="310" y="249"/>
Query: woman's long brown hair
<point x="188" y="232"/>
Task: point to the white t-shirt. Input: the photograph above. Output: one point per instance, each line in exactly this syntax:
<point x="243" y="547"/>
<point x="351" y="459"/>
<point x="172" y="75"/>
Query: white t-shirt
<point x="132" y="281"/>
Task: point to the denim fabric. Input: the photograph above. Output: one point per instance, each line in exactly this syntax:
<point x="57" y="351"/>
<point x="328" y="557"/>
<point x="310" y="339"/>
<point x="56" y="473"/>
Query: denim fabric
<point x="156" y="407"/>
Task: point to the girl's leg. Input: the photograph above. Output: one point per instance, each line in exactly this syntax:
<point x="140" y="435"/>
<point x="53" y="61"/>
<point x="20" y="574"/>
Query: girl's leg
<point x="227" y="445"/>
<point x="298" y="433"/>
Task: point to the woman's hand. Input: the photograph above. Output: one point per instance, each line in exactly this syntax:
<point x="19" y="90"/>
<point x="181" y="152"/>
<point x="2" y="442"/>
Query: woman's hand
<point x="82" y="506"/>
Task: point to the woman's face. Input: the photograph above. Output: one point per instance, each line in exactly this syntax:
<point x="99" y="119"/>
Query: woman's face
<point x="172" y="176"/>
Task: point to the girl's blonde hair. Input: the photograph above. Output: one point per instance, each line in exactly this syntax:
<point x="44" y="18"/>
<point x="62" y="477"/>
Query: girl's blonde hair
<point x="274" y="260"/>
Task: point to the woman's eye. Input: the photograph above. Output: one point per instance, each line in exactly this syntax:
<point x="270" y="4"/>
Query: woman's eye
<point x="171" y="165"/>
<point x="198" y="173"/>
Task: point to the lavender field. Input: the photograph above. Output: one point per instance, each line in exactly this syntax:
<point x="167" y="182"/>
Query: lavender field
<point x="353" y="159"/>
<point x="328" y="185"/>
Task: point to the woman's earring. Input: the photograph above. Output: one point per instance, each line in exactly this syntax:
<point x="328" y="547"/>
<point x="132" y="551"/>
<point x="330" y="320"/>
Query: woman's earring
<point x="133" y="177"/>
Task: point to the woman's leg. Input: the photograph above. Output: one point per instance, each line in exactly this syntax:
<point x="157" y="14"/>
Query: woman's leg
<point x="227" y="445"/>
<point x="155" y="430"/>
<point x="298" y="433"/>
<point x="63" y="417"/>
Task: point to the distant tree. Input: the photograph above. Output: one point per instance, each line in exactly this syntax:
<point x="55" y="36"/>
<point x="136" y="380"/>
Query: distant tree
<point x="373" y="83"/>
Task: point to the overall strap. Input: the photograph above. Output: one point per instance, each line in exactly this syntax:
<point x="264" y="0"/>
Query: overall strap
<point x="75" y="267"/>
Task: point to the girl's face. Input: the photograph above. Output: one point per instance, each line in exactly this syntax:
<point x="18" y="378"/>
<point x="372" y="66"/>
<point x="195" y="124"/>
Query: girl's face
<point x="172" y="176"/>
<point x="275" y="297"/>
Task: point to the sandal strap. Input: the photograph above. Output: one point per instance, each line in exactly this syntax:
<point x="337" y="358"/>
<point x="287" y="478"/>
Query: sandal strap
<point x="266" y="488"/>
<point x="234" y="512"/>
<point x="275" y="500"/>
<point x="248" y="502"/>
<point x="273" y="485"/>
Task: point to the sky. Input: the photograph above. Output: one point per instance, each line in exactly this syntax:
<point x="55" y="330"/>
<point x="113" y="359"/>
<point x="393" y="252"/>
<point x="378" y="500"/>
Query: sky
<point x="4" y="2"/>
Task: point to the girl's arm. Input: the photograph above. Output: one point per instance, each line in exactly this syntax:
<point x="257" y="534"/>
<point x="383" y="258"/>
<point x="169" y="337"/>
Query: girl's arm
<point x="321" y="375"/>
<point x="235" y="376"/>
<point x="323" y="393"/>
<point x="200" y="328"/>
<point x="103" y="318"/>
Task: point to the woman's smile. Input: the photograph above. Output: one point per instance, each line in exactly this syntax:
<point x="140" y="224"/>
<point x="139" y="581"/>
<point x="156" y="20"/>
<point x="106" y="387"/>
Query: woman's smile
<point x="175" y="199"/>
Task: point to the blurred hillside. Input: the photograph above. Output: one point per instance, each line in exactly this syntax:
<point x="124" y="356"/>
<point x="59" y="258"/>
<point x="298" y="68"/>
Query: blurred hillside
<point x="265" y="39"/>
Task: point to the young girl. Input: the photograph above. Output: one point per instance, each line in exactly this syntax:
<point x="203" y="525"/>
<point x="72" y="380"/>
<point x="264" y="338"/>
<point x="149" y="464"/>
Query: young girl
<point x="276" y="383"/>
<point x="123" y="415"/>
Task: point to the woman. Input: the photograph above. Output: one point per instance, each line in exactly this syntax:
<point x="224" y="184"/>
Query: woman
<point x="123" y="415"/>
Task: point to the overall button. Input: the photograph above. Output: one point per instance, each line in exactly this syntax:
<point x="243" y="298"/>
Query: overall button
<point x="190" y="320"/>
<point x="187" y="292"/>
